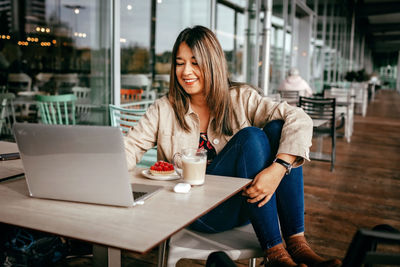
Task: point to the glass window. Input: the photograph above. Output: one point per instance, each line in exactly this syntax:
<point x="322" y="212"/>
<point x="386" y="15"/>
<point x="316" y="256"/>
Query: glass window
<point x="59" y="45"/>
<point x="185" y="14"/>
<point x="135" y="36"/>
<point x="230" y="33"/>
<point x="146" y="43"/>
<point x="276" y="58"/>
<point x="278" y="42"/>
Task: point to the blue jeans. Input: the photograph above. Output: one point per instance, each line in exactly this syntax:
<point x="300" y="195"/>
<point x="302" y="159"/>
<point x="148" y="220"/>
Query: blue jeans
<point x="245" y="155"/>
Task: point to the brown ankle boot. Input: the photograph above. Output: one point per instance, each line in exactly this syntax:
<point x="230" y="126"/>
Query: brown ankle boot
<point x="277" y="256"/>
<point x="301" y="251"/>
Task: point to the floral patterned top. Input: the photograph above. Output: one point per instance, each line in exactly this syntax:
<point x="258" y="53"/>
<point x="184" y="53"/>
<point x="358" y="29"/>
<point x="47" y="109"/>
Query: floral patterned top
<point x="204" y="143"/>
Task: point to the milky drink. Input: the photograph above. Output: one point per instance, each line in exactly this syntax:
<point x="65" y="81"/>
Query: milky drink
<point x="194" y="169"/>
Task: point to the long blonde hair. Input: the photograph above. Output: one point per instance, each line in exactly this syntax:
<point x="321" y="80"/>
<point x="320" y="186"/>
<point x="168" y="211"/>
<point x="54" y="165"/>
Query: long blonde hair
<point x="211" y="59"/>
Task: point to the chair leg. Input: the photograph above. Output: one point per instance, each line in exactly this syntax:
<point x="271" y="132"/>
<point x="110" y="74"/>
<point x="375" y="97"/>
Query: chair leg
<point x="333" y="155"/>
<point x="347" y="127"/>
<point x="252" y="262"/>
<point x="162" y="253"/>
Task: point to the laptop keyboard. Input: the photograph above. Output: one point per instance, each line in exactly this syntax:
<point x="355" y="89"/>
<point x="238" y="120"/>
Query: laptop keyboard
<point x="136" y="195"/>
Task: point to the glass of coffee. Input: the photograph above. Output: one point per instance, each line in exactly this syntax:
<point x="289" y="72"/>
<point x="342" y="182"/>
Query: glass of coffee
<point x="193" y="163"/>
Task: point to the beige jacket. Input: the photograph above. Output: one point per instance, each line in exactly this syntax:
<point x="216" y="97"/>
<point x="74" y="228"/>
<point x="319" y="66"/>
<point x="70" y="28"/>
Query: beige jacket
<point x="159" y="127"/>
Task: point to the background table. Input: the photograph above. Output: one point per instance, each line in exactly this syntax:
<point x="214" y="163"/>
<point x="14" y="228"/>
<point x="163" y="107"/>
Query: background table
<point x="9" y="168"/>
<point x="137" y="229"/>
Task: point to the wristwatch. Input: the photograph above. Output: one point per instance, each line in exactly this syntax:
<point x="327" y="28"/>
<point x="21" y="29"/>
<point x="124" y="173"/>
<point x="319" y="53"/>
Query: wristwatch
<point x="285" y="164"/>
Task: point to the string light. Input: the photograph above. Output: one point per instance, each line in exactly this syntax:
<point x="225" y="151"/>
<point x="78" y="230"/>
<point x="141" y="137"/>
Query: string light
<point x="80" y="34"/>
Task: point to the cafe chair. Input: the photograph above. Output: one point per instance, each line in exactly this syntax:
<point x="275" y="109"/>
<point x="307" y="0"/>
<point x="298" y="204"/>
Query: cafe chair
<point x="219" y="259"/>
<point x="64" y="82"/>
<point x="274" y="97"/>
<point x="131" y="95"/>
<point x="44" y="80"/>
<point x="290" y="96"/>
<point x="378" y="246"/>
<point x="7" y="113"/>
<point x="344" y="108"/>
<point x="57" y="109"/>
<point x="125" y="117"/>
<point x="161" y="82"/>
<point x="238" y="243"/>
<point x="322" y="109"/>
<point x="17" y="82"/>
<point x="138" y="81"/>
<point x="83" y="104"/>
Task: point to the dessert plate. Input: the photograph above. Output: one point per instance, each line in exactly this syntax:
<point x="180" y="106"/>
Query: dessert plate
<point x="173" y="176"/>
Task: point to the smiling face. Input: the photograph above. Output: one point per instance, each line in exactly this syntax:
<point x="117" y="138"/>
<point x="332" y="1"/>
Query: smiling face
<point x="188" y="72"/>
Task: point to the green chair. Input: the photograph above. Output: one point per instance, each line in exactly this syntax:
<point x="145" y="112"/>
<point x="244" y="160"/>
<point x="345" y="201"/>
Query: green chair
<point x="7" y="112"/>
<point x="125" y="117"/>
<point x="57" y="109"/>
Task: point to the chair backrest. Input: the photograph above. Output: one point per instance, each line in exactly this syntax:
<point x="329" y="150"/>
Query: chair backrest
<point x="290" y="96"/>
<point x="239" y="243"/>
<point x="19" y="82"/>
<point x="274" y="97"/>
<point x="320" y="108"/>
<point x="289" y="93"/>
<point x="83" y="105"/>
<point x="81" y="93"/>
<point x="161" y="82"/>
<point x="138" y="105"/>
<point x="138" y="81"/>
<point x="126" y="116"/>
<point x="57" y="109"/>
<point x="131" y="95"/>
<point x="363" y="251"/>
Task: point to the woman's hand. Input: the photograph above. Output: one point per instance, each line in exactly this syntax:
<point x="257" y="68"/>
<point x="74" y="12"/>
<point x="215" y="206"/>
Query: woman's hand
<point x="265" y="183"/>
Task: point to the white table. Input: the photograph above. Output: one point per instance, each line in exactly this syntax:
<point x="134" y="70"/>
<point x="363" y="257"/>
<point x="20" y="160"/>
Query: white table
<point x="138" y="229"/>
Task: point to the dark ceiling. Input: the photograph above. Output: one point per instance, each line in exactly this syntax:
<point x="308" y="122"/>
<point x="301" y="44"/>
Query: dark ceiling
<point x="380" y="21"/>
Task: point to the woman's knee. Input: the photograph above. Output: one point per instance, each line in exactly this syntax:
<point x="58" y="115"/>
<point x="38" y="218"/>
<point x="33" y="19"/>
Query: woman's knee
<point x="274" y="127"/>
<point x="253" y="136"/>
<point x="255" y="146"/>
<point x="273" y="130"/>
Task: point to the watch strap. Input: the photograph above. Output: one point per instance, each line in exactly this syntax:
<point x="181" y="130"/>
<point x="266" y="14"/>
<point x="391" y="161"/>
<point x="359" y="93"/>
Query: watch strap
<point x="285" y="164"/>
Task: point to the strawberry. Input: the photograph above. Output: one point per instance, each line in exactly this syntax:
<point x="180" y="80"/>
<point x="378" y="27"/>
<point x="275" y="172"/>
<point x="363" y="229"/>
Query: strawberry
<point x="162" y="166"/>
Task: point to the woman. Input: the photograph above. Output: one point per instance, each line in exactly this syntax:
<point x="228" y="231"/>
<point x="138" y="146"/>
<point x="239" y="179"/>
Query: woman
<point x="294" y="82"/>
<point x="204" y="108"/>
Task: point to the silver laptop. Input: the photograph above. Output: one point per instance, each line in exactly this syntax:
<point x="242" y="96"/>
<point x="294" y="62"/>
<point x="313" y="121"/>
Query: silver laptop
<point x="78" y="163"/>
